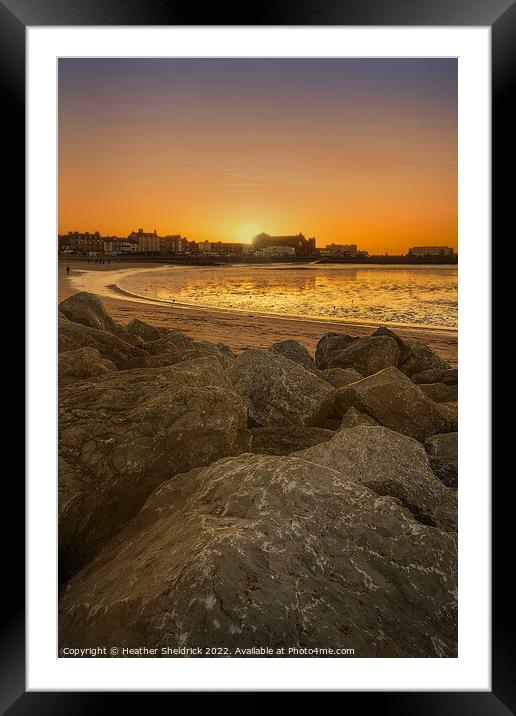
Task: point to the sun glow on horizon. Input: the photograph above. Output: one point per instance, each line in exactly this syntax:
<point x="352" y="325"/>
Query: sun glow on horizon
<point x="245" y="232"/>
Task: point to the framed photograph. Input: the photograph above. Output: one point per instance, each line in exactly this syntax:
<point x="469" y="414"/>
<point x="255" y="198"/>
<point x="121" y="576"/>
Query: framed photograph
<point x="258" y="262"/>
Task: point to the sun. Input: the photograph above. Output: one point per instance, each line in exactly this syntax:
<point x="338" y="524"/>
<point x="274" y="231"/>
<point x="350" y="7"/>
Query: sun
<point x="245" y="232"/>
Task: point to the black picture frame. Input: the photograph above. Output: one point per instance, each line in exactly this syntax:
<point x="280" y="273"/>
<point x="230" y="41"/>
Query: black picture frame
<point x="15" y="17"/>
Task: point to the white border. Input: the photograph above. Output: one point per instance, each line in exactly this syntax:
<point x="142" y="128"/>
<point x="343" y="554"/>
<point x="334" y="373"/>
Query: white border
<point x="471" y="670"/>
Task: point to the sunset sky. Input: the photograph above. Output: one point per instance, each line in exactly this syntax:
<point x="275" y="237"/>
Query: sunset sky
<point x="346" y="150"/>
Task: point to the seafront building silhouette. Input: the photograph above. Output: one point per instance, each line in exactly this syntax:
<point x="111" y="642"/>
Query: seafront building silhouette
<point x="149" y="243"/>
<point x="297" y="245"/>
<point x="262" y="246"/>
<point x="430" y="251"/>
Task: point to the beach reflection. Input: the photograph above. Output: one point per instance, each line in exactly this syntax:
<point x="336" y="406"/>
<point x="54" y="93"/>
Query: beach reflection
<point x="406" y="295"/>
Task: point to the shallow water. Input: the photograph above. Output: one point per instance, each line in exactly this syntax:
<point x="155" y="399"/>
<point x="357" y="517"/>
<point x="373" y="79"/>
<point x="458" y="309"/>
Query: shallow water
<point x="396" y="295"/>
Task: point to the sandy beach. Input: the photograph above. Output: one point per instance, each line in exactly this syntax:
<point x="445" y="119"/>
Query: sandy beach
<point x="239" y="330"/>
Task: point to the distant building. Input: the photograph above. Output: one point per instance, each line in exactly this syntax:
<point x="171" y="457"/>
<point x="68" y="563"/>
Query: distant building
<point x="279" y="251"/>
<point x="83" y="244"/>
<point x="148" y="243"/>
<point x="204" y="247"/>
<point x="301" y="245"/>
<point x="430" y="251"/>
<point x="113" y="245"/>
<point x="226" y="248"/>
<point x="342" y="249"/>
<point x="172" y="244"/>
<point x="130" y="246"/>
<point x="190" y="247"/>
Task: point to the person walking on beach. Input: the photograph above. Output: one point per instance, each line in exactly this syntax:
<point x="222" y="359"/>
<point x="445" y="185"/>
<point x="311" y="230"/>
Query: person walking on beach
<point x="67" y="270"/>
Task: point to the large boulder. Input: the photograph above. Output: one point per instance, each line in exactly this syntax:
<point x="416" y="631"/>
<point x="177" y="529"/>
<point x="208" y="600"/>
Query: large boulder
<point x="327" y="345"/>
<point x="279" y="391"/>
<point x="284" y="440"/>
<point x="171" y="339"/>
<point x="353" y="418"/>
<point x="296" y="352"/>
<point x="392" y="399"/>
<point x="404" y="349"/>
<point x="144" y="330"/>
<point x="332" y="424"/>
<point x="365" y="355"/>
<point x="421" y="358"/>
<point x="444" y="445"/>
<point x="389" y="464"/>
<point x="160" y="360"/>
<point x="268" y="551"/>
<point x="451" y="411"/>
<point x="82" y="363"/>
<point x="186" y="348"/>
<point x="72" y="335"/>
<point x="124" y="433"/>
<point x="439" y="392"/>
<point x="339" y="377"/>
<point x="131" y="338"/>
<point x="88" y="310"/>
<point x="443" y="456"/>
<point x="448" y="376"/>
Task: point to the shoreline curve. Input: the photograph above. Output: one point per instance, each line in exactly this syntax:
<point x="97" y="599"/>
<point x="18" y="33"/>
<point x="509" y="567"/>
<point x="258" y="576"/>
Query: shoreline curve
<point x="113" y="290"/>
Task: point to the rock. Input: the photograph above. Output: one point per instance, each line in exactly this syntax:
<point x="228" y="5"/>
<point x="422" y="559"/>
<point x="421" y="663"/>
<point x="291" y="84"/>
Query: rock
<point x="445" y="471"/>
<point x="261" y="551"/>
<point x="125" y="432"/>
<point x="82" y="363"/>
<point x="389" y="464"/>
<point x="202" y="349"/>
<point x="365" y="355"/>
<point x="88" y="310"/>
<point x="327" y="345"/>
<point x="443" y="445"/>
<point x="176" y="347"/>
<point x="160" y="360"/>
<point x="171" y="340"/>
<point x="144" y="330"/>
<point x="404" y="349"/>
<point x="73" y="335"/>
<point x="131" y="338"/>
<point x="448" y="376"/>
<point x="279" y="391"/>
<point x="339" y="376"/>
<point x="282" y="441"/>
<point x="439" y="392"/>
<point x="392" y="399"/>
<point x="228" y="357"/>
<point x="76" y="500"/>
<point x="451" y="411"/>
<point x="187" y="348"/>
<point x="354" y="417"/>
<point x="330" y="424"/>
<point x="294" y="351"/>
<point x="443" y="456"/>
<point x="420" y="358"/>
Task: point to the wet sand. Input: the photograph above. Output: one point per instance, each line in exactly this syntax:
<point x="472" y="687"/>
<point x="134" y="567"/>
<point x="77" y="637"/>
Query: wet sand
<point x="237" y="329"/>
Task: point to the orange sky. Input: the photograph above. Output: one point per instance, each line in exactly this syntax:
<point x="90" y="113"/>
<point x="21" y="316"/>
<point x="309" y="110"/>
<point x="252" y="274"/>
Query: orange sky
<point x="349" y="151"/>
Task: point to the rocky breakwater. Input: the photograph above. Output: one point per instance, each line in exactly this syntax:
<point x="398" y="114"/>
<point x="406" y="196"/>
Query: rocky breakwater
<point x="212" y="500"/>
<point x="122" y="432"/>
